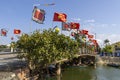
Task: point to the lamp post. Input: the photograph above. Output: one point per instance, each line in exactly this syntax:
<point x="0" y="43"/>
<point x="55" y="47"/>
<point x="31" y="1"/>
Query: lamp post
<point x="57" y="30"/>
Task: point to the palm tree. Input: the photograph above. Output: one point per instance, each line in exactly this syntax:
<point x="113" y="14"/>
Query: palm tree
<point x="107" y="47"/>
<point x="106" y="42"/>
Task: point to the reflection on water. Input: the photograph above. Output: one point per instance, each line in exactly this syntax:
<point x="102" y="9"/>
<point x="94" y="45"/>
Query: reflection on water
<point x="77" y="73"/>
<point x="107" y="73"/>
<point x="90" y="73"/>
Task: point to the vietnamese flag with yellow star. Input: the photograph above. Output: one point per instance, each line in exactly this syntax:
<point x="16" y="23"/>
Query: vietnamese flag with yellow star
<point x="90" y="36"/>
<point x="61" y="17"/>
<point x="85" y="32"/>
<point x="17" y="31"/>
<point x="74" y="25"/>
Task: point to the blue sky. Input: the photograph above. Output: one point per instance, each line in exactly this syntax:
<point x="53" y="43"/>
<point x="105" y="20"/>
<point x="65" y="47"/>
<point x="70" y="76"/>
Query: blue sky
<point x="97" y="16"/>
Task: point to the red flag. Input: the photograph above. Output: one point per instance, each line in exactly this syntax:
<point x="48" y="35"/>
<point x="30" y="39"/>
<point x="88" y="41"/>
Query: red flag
<point x="90" y="40"/>
<point x="85" y="32"/>
<point x="38" y="15"/>
<point x="95" y="42"/>
<point x="79" y="31"/>
<point x="17" y="31"/>
<point x="72" y="33"/>
<point x="4" y="32"/>
<point x="74" y="25"/>
<point x="65" y="26"/>
<point x="60" y="17"/>
<point x="90" y="36"/>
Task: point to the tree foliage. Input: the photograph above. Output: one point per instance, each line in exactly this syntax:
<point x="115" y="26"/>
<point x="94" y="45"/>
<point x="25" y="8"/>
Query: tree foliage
<point x="108" y="47"/>
<point x="106" y="41"/>
<point x="43" y="48"/>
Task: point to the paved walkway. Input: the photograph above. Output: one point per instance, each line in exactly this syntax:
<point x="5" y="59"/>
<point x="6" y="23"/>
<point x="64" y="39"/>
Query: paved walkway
<point x="9" y="64"/>
<point x="8" y="58"/>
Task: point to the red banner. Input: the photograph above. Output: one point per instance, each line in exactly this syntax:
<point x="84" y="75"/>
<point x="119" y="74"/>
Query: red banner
<point x="4" y="32"/>
<point x="65" y="26"/>
<point x="72" y="33"/>
<point x="90" y="36"/>
<point x="60" y="17"/>
<point x="38" y="15"/>
<point x="17" y="31"/>
<point x="95" y="42"/>
<point x="74" y="25"/>
<point x="85" y="32"/>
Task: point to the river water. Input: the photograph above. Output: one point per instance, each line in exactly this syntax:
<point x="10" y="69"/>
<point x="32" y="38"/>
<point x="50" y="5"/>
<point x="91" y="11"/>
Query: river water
<point x="90" y="73"/>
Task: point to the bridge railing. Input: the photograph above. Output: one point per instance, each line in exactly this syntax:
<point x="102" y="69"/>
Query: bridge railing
<point x="86" y="51"/>
<point x="8" y="50"/>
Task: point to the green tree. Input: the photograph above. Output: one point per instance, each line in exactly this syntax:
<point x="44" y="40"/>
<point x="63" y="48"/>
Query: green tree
<point x="108" y="47"/>
<point x="106" y="42"/>
<point x="42" y="48"/>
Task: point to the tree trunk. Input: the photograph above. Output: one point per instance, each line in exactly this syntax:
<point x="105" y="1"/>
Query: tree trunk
<point x="58" y="69"/>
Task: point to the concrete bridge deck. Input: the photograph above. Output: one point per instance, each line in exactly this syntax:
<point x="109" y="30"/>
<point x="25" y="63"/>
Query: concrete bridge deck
<point x="12" y="57"/>
<point x="9" y="62"/>
<point x="7" y="58"/>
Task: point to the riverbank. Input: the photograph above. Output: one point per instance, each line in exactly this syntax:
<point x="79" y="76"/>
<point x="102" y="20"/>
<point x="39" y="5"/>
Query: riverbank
<point x="109" y="61"/>
<point x="10" y="66"/>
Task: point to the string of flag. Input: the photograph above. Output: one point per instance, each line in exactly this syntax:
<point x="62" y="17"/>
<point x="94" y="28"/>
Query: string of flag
<point x="38" y="15"/>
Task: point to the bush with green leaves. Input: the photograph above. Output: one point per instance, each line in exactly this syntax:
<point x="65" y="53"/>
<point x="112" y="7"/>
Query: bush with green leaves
<point x="42" y="48"/>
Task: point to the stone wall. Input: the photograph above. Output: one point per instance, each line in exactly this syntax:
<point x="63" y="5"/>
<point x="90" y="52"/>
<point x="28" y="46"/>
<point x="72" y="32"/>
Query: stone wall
<point x="108" y="59"/>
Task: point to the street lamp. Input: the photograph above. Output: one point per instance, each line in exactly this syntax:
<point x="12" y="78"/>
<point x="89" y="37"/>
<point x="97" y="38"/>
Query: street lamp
<point x="57" y="29"/>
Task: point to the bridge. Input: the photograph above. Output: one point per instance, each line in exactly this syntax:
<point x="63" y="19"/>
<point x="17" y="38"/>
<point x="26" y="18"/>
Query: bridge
<point x="10" y="62"/>
<point x="9" y="57"/>
<point x="79" y="59"/>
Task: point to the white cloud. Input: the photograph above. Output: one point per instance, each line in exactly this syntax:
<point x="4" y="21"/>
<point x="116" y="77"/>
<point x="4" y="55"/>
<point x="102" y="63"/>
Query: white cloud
<point x="114" y="24"/>
<point x="90" y="21"/>
<point x="111" y="37"/>
<point x="104" y="25"/>
<point x="75" y="19"/>
<point x="67" y="33"/>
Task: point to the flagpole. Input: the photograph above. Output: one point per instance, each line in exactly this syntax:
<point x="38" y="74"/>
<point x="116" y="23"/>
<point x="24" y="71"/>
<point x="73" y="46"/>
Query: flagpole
<point x="61" y="30"/>
<point x="31" y="19"/>
<point x="30" y="26"/>
<point x="52" y="24"/>
<point x="95" y="35"/>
